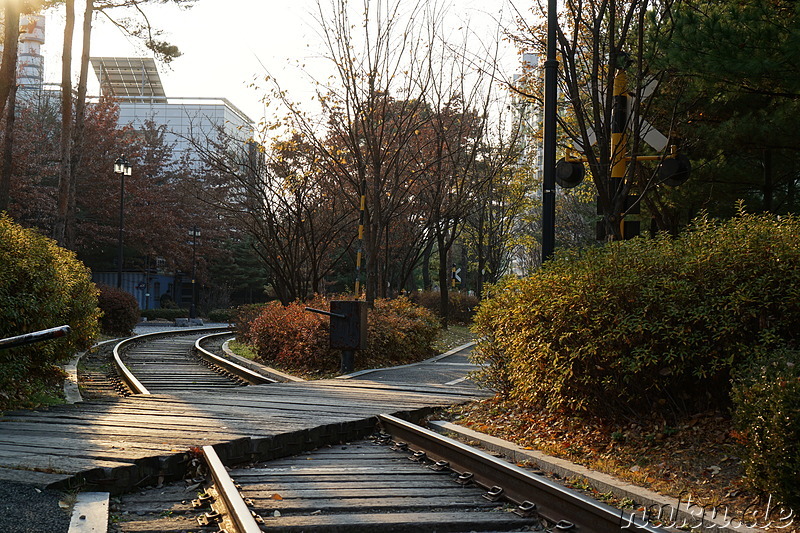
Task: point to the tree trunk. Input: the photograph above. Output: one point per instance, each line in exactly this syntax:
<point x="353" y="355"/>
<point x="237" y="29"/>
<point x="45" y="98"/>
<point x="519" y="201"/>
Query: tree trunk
<point x="8" y="149"/>
<point x="80" y="114"/>
<point x="8" y="88"/>
<point x="66" y="125"/>
<point x="480" y="250"/>
<point x="8" y="70"/>
<point x="426" y="266"/>
<point x="769" y="188"/>
<point x="444" y="291"/>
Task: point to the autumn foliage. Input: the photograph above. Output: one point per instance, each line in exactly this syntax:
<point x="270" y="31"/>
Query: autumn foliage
<point x="646" y="324"/>
<point x="290" y="337"/>
<point x="41" y="286"/>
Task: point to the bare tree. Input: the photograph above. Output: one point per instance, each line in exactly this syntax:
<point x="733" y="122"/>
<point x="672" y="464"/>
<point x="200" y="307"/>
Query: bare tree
<point x="372" y="111"/>
<point x="72" y="128"/>
<point x="461" y="96"/>
<point x="600" y="43"/>
<point x="281" y="198"/>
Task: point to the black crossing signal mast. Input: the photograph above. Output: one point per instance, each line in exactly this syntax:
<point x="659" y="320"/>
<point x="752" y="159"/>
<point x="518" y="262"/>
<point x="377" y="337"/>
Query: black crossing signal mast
<point x="674" y="167"/>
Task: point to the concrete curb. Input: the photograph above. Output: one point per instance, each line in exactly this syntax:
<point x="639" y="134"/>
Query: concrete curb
<point x="674" y="510"/>
<point x="72" y="392"/>
<point x="257" y="367"/>
<point x="425" y="362"/>
<point x="90" y="513"/>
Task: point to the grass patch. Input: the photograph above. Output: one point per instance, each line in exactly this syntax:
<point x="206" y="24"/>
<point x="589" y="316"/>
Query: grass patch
<point x="45" y="396"/>
<point x="242" y="350"/>
<point x="452" y="337"/>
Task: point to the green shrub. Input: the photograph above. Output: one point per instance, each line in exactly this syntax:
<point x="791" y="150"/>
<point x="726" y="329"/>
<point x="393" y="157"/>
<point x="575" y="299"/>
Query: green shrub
<point x="645" y="325"/>
<point x="164" y="314"/>
<point x="120" y="310"/>
<point x="292" y="338"/>
<point x="222" y="315"/>
<point x="400" y="332"/>
<point x="41" y="286"/>
<point x="766" y="396"/>
<point x="462" y="306"/>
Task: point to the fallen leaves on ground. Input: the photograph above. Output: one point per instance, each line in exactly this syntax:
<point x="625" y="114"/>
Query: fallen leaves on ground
<point x="697" y="456"/>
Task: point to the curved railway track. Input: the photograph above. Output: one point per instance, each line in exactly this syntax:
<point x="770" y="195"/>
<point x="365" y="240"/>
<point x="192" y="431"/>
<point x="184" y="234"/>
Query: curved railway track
<point x="175" y="362"/>
<point x="408" y="479"/>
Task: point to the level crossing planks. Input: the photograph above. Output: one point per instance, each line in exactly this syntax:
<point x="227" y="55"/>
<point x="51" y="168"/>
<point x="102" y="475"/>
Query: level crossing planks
<point x="117" y="444"/>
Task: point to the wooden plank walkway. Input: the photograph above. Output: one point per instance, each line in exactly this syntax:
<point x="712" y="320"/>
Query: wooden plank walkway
<point x="117" y="445"/>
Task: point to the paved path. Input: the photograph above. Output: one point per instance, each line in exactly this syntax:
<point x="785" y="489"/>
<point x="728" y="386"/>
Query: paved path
<point x="449" y="369"/>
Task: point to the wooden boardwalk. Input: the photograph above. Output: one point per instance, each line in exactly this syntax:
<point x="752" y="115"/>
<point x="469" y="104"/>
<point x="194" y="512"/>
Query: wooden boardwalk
<point x="117" y="445"/>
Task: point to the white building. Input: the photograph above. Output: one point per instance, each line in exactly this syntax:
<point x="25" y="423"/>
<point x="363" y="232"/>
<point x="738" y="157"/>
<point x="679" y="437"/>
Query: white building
<point x="530" y="113"/>
<point x="30" y="61"/>
<point x="136" y="85"/>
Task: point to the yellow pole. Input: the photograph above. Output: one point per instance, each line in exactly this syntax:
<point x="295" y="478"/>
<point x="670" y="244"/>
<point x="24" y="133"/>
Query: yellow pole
<point x="360" y="250"/>
<point x="619" y="140"/>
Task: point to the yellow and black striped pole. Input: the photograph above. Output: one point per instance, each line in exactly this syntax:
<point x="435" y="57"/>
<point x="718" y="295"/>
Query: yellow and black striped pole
<point x="619" y="141"/>
<point x="360" y="248"/>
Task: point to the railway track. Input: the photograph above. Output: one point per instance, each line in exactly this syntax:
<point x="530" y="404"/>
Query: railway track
<point x="406" y="479"/>
<point x="176" y="362"/>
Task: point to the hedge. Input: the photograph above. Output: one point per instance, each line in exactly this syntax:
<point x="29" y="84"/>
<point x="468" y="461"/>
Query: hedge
<point x="766" y="395"/>
<point x="120" y="310"/>
<point x="291" y="338"/>
<point x="41" y="286"/>
<point x="670" y="325"/>
<point x="645" y="324"/>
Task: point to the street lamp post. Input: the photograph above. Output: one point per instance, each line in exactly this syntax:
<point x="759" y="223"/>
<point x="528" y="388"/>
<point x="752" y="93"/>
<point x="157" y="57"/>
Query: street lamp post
<point x="122" y="168"/>
<point x="194" y="233"/>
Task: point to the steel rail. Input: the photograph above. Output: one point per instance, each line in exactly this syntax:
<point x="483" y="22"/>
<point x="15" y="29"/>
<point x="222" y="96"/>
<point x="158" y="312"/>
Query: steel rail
<point x="237" y="370"/>
<point x="236" y="509"/>
<point x="569" y="510"/>
<point x="124" y="372"/>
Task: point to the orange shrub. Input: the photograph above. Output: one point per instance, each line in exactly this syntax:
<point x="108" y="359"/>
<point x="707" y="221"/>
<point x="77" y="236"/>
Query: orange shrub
<point x="294" y="339"/>
<point x="291" y="337"/>
<point x="400" y="332"/>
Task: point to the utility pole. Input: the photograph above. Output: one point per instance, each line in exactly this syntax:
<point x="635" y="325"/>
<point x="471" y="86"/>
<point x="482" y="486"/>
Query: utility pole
<point x="549" y="160"/>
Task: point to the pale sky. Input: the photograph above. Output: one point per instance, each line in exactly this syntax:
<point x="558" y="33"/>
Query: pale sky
<point x="229" y="44"/>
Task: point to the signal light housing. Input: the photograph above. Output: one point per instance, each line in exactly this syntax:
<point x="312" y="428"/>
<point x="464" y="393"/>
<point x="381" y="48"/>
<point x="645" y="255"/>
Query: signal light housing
<point x="674" y="171"/>
<point x="569" y="173"/>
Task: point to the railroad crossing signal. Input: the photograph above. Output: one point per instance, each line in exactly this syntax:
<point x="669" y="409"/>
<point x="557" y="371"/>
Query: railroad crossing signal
<point x="673" y="169"/>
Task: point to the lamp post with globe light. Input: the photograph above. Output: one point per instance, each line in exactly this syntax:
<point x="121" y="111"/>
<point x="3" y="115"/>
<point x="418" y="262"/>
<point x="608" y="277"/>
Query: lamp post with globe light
<point x="194" y="233"/>
<point x="122" y="168"/>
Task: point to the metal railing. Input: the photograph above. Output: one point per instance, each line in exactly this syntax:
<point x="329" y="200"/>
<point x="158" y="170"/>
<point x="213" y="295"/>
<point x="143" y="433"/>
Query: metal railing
<point x="36" y="336"/>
